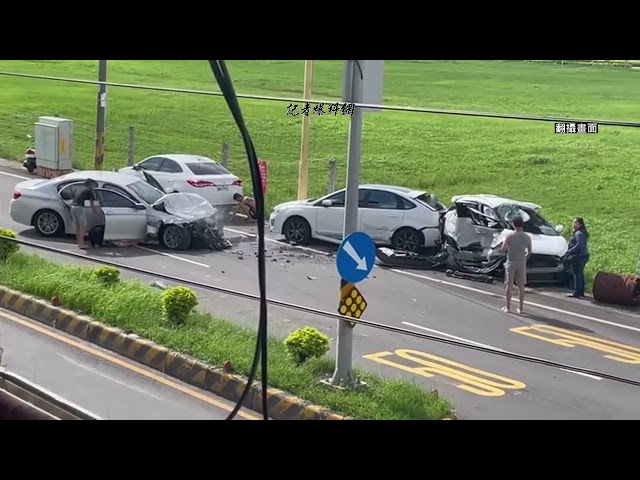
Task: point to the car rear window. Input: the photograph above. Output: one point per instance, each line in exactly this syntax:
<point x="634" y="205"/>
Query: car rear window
<point x="207" y="168"/>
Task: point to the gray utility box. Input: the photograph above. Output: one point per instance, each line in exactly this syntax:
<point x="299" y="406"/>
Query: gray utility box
<point x="54" y="143"/>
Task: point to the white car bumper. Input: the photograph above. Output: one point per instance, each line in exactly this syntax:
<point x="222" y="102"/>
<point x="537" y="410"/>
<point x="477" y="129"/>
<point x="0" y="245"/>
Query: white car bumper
<point x="275" y="223"/>
<point x="19" y="213"/>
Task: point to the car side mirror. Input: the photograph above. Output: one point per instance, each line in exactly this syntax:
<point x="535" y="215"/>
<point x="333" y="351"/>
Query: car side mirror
<point x="140" y="206"/>
<point x="559" y="228"/>
<point x="327" y="203"/>
<point x="137" y="167"/>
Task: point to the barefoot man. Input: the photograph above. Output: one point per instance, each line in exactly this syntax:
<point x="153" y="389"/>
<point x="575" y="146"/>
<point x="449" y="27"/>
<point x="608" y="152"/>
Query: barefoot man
<point x="518" y="248"/>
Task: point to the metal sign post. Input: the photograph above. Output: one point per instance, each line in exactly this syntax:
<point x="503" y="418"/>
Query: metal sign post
<point x="101" y="114"/>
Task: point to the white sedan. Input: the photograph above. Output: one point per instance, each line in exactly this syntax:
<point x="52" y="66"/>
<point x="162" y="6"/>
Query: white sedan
<point x="134" y="210"/>
<point x="192" y="174"/>
<point x="399" y="217"/>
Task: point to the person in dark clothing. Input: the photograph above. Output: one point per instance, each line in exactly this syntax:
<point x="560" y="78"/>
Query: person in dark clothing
<point x="78" y="209"/>
<point x="578" y="256"/>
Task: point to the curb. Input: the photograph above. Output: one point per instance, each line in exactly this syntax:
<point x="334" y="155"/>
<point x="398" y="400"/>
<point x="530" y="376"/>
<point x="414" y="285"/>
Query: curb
<point x="281" y="405"/>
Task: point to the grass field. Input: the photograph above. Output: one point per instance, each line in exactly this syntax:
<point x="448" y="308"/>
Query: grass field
<point x="594" y="176"/>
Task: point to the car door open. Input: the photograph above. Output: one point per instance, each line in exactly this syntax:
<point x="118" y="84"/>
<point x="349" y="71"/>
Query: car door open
<point x="124" y="219"/>
<point x="66" y="194"/>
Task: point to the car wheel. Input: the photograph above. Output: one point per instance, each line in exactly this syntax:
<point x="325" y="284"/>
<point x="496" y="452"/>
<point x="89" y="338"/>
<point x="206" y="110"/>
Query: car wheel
<point x="175" y="237"/>
<point x="407" y="239"/>
<point x="48" y="223"/>
<point x="297" y="230"/>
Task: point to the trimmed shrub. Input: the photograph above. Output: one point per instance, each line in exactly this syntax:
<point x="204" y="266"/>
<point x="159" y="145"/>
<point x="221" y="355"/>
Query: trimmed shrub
<point x="305" y="343"/>
<point x="178" y="303"/>
<point x="106" y="274"/>
<point x="7" y="248"/>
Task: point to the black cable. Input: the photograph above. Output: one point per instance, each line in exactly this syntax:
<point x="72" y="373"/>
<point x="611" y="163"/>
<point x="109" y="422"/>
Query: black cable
<point x="226" y="86"/>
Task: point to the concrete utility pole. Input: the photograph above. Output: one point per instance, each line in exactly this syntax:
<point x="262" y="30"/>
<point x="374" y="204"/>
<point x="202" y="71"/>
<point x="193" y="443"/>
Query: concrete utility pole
<point x="101" y="115"/>
<point x="343" y="374"/>
<point x="303" y="168"/>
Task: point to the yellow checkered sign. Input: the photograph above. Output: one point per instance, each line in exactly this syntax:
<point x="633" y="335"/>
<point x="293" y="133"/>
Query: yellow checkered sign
<point x="352" y="303"/>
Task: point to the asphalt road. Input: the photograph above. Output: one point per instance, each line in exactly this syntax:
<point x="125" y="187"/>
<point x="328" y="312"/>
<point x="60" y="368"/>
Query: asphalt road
<point x="109" y="386"/>
<point x="481" y="385"/>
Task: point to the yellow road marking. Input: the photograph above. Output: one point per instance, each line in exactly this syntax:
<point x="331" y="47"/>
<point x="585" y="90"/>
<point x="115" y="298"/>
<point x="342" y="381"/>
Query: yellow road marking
<point x="490" y="386"/>
<point x="566" y="338"/>
<point x="127" y="365"/>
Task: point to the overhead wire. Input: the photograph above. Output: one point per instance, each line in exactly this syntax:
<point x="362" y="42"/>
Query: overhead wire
<point x="225" y="83"/>
<point x="322" y="313"/>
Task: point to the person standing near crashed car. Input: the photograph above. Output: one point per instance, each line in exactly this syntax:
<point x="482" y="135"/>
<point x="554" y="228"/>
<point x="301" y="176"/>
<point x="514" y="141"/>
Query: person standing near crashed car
<point x="518" y="248"/>
<point x="578" y="256"/>
<point x="78" y="210"/>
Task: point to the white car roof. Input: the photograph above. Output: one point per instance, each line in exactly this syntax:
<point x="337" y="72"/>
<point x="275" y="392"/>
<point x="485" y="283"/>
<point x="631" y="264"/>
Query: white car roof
<point x="111" y="177"/>
<point x="407" y="191"/>
<point x="492" y="201"/>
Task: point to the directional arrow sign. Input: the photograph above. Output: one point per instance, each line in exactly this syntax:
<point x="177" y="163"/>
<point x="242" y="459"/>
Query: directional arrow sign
<point x="356" y="257"/>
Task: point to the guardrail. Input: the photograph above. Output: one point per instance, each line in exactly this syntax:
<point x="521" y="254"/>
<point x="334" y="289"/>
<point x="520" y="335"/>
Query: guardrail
<point x="37" y="402"/>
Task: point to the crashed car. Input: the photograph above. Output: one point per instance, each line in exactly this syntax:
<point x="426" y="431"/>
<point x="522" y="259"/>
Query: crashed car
<point x="473" y="230"/>
<point x="135" y="210"/>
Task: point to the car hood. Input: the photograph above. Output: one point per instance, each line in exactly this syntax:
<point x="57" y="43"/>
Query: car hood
<point x="292" y="203"/>
<point x="542" y="244"/>
<point x="185" y="207"/>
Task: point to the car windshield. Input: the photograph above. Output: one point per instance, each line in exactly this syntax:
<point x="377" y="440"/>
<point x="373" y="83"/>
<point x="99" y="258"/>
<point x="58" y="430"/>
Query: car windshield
<point x="533" y="222"/>
<point x="430" y="200"/>
<point x="145" y="191"/>
<point x="207" y="168"/>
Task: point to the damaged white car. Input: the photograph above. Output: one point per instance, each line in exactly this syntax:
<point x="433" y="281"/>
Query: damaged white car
<point x="135" y="210"/>
<point x="473" y="230"/>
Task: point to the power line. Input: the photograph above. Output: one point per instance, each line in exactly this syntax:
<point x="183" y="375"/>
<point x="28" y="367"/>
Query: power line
<point x="395" y="108"/>
<point x="313" y="311"/>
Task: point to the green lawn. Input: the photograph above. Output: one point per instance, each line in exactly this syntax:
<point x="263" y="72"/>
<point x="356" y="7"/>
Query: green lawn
<point x="594" y="176"/>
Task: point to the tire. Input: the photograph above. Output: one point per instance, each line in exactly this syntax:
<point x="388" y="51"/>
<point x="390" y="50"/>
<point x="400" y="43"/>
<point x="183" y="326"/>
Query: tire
<point x="407" y="239"/>
<point x="174" y="237"/>
<point x="48" y="223"/>
<point x="297" y="230"/>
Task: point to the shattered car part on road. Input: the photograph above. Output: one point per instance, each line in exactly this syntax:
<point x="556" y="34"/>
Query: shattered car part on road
<point x="473" y="230"/>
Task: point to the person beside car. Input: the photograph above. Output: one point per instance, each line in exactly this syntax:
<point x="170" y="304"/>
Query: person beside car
<point x="78" y="212"/>
<point x="578" y="256"/>
<point x="246" y="206"/>
<point x="518" y="247"/>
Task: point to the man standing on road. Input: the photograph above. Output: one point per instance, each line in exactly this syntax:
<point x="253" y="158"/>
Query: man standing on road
<point x="518" y="248"/>
<point x="78" y="209"/>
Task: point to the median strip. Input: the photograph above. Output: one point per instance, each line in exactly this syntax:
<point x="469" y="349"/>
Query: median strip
<point x="126" y="316"/>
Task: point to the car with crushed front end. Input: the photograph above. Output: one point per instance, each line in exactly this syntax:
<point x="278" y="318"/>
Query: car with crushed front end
<point x="136" y="210"/>
<point x="475" y="226"/>
<point x="400" y="217"/>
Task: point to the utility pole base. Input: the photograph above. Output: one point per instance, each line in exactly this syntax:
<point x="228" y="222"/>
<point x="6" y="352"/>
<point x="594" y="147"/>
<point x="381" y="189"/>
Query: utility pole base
<point x="349" y="382"/>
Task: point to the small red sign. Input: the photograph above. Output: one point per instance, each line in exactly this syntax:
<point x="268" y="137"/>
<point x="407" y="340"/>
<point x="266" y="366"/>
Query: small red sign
<point x="262" y="165"/>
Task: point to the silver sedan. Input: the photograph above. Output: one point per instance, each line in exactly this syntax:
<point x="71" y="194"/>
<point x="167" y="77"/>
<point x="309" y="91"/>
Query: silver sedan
<point x="135" y="210"/>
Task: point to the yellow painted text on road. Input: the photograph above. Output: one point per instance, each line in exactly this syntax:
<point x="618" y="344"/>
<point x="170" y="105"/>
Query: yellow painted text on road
<point x="567" y="338"/>
<point x="471" y="379"/>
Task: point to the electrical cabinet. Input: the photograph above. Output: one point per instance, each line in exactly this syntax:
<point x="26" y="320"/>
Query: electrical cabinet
<point x="54" y="143"/>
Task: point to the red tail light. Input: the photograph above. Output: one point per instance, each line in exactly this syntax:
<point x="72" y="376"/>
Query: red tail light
<point x="201" y="183"/>
<point x="237" y="183"/>
<point x="16" y="195"/>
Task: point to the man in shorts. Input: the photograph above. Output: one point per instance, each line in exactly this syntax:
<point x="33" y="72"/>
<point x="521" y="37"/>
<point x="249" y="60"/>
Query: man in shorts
<point x="246" y="206"/>
<point x="78" y="212"/>
<point x="518" y="248"/>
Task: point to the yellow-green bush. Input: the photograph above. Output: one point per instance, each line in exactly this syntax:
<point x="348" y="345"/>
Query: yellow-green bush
<point x="305" y="343"/>
<point x="178" y="303"/>
<point x="7" y="247"/>
<point x="106" y="274"/>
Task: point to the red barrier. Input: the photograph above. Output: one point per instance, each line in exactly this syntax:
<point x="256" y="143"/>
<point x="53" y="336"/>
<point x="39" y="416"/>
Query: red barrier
<point x="262" y="165"/>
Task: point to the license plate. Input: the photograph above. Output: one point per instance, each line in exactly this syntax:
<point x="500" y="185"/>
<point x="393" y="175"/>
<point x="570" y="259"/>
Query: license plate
<point x="223" y="188"/>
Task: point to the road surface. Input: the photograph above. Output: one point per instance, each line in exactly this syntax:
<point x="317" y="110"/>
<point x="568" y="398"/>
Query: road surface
<point x="107" y="385"/>
<point x="481" y="385"/>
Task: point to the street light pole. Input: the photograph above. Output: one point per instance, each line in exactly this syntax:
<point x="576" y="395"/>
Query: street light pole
<point x="343" y="375"/>
<point x="101" y="114"/>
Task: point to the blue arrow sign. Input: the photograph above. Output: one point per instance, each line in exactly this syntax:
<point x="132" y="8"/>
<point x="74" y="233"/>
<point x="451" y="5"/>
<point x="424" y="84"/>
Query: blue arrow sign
<point x="356" y="257"/>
